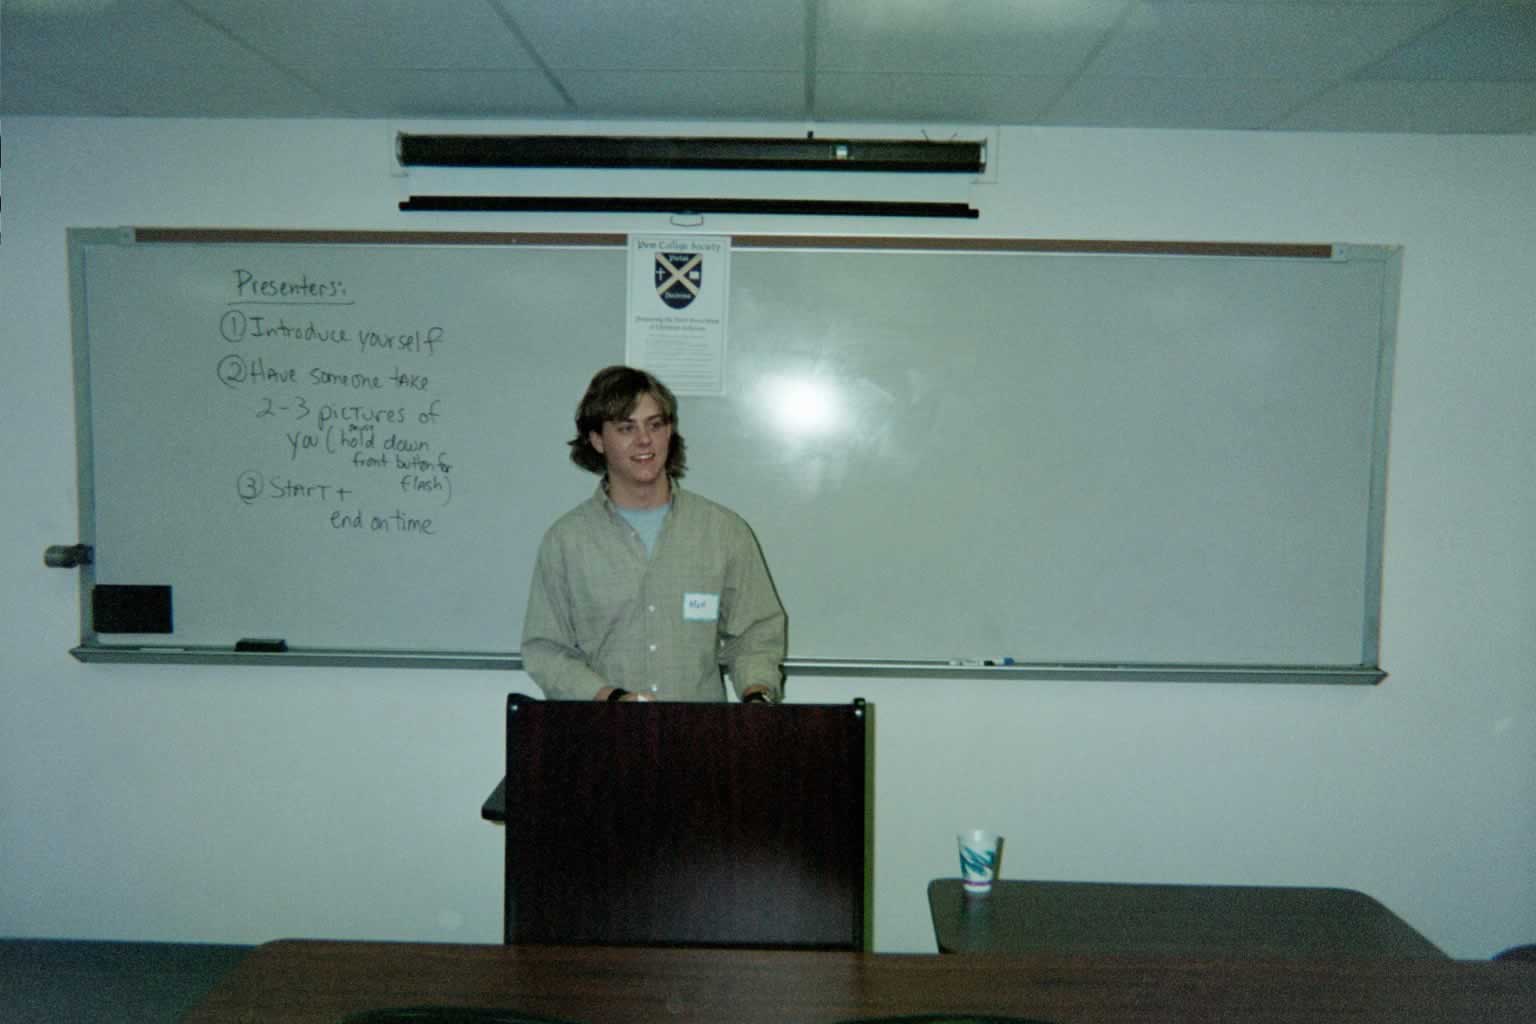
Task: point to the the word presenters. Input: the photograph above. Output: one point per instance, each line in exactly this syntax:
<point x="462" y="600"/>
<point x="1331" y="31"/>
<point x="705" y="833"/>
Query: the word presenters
<point x="345" y="396"/>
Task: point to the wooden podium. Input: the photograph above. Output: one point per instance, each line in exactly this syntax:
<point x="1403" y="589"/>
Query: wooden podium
<point x="736" y="825"/>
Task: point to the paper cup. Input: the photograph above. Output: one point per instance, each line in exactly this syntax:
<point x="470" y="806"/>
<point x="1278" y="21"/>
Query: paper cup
<point x="979" y="854"/>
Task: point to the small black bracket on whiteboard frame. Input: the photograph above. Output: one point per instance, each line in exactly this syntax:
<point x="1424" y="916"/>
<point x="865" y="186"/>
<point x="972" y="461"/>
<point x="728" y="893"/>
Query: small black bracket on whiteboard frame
<point x="68" y="556"/>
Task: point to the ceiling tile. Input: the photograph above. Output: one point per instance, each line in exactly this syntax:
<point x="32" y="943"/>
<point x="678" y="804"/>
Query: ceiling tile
<point x="750" y="95"/>
<point x="1201" y="103"/>
<point x="959" y="37"/>
<point x="1144" y="63"/>
<point x="30" y="89"/>
<point x="1274" y="41"/>
<point x="1489" y="42"/>
<point x="373" y="33"/>
<point x="974" y="99"/>
<point x="157" y="32"/>
<point x="762" y="35"/>
<point x="1426" y="107"/>
<point x="410" y="92"/>
<point x="176" y="90"/>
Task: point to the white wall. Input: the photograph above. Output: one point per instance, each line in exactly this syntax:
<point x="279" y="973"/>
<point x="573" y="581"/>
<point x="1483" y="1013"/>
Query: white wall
<point x="246" y="804"/>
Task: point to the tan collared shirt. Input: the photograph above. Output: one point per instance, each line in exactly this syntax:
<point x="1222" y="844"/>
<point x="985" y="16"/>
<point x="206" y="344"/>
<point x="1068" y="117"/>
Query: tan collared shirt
<point x="601" y="614"/>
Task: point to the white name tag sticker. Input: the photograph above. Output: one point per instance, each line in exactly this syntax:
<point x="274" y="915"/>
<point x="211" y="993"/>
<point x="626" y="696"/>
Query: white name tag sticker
<point x="701" y="607"/>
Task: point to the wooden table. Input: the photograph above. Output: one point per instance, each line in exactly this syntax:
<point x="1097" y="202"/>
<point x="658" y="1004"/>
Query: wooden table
<point x="45" y="981"/>
<point x="1174" y="920"/>
<point x="323" y="982"/>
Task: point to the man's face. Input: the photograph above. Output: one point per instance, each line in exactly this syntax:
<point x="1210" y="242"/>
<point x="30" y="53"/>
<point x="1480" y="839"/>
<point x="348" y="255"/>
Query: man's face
<point x="635" y="447"/>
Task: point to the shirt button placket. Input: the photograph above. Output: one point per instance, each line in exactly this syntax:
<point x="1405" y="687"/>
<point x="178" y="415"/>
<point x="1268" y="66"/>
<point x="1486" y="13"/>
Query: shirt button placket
<point x="651" y="610"/>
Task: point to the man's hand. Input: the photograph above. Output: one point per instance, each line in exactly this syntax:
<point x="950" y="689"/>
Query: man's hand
<point x="615" y="693"/>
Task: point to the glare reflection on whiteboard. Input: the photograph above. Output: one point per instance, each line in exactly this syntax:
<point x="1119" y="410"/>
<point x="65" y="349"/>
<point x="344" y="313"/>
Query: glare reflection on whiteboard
<point x="803" y="408"/>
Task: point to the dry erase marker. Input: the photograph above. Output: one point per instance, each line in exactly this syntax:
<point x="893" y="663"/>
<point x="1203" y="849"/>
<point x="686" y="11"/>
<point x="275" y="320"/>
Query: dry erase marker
<point x="261" y="645"/>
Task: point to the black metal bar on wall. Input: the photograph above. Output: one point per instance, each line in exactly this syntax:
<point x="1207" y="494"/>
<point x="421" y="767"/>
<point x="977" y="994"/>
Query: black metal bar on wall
<point x="748" y="154"/>
<point x="621" y="204"/>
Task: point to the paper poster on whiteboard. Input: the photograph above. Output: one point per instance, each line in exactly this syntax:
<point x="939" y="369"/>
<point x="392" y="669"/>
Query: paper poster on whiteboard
<point x="678" y="291"/>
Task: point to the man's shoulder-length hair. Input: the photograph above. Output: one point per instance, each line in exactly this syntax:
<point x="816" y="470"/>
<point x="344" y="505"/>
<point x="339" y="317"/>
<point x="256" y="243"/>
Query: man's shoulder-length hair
<point x="612" y="395"/>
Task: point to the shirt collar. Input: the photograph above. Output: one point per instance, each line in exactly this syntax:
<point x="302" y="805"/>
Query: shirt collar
<point x="607" y="502"/>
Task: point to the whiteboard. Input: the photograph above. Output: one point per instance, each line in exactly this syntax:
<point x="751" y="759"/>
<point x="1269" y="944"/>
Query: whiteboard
<point x="951" y="452"/>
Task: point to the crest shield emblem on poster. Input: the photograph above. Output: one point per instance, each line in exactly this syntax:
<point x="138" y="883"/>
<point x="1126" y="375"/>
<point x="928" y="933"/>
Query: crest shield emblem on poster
<point x="679" y="276"/>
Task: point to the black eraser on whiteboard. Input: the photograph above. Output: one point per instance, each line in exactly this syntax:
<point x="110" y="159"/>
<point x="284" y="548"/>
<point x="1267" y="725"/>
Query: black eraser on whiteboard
<point x="131" y="608"/>
<point x="256" y="645"/>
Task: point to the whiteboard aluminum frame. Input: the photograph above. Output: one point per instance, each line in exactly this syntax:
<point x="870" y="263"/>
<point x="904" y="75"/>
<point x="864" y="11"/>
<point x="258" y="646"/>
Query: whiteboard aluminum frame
<point x="1359" y="675"/>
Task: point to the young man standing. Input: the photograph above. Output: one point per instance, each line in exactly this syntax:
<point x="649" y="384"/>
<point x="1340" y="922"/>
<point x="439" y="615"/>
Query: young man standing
<point x="644" y="590"/>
